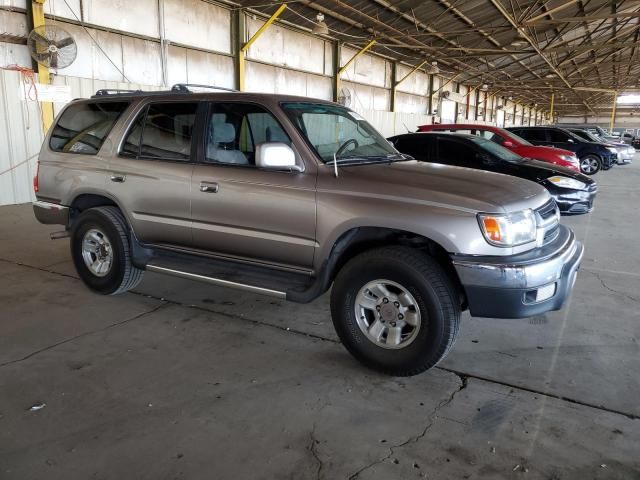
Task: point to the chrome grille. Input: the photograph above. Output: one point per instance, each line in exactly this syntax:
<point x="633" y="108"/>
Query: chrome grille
<point x="548" y="220"/>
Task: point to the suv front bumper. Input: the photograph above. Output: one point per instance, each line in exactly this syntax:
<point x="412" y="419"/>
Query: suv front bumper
<point x="521" y="285"/>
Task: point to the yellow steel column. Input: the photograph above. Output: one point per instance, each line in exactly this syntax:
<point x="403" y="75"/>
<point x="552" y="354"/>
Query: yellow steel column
<point x="553" y="97"/>
<point x="242" y="53"/>
<point x="37" y="8"/>
<point x="613" y="112"/>
<point x="346" y="65"/>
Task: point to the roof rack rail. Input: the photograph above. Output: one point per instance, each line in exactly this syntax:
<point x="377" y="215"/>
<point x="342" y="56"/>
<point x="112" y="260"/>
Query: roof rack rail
<point x="184" y="87"/>
<point x="115" y="91"/>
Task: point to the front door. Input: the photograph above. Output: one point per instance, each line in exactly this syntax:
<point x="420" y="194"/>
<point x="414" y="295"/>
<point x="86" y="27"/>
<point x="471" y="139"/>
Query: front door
<point x="151" y="176"/>
<point x="243" y="211"/>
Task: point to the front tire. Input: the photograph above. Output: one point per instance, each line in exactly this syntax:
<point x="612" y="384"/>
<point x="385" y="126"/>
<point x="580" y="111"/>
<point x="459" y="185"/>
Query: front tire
<point x="101" y="251"/>
<point x="590" y="164"/>
<point x="395" y="310"/>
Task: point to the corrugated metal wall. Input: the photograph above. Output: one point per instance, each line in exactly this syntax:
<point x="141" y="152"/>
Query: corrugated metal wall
<point x="20" y="139"/>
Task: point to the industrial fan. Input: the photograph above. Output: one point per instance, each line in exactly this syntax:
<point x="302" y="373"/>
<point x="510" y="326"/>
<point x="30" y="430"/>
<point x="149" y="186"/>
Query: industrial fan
<point x="52" y="46"/>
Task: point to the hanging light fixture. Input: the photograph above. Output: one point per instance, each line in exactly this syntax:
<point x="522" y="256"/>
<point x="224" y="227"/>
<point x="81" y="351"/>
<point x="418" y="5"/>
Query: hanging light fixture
<point x="320" y="28"/>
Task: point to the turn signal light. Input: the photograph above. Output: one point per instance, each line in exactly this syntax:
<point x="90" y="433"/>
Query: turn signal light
<point x="492" y="228"/>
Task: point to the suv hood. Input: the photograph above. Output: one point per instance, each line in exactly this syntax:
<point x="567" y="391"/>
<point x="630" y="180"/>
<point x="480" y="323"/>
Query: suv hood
<point x="433" y="183"/>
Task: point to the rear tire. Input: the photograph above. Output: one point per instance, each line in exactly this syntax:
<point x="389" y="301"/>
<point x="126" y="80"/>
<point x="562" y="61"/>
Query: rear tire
<point x="590" y="164"/>
<point x="404" y="291"/>
<point x="101" y="251"/>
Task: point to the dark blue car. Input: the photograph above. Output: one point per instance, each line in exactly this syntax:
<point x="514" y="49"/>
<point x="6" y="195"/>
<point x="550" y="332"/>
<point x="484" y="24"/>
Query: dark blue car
<point x="593" y="156"/>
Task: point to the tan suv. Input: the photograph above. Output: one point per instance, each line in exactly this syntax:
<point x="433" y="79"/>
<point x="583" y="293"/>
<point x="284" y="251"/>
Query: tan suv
<point x="288" y="197"/>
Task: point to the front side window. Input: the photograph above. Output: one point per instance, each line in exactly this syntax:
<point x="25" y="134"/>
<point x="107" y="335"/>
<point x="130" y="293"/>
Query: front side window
<point x="162" y="131"/>
<point x="557" y="136"/>
<point x="235" y="129"/>
<point x="333" y="130"/>
<point x="83" y="127"/>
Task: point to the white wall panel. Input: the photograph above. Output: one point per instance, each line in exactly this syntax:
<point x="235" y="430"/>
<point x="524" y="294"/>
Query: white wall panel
<point x="59" y="8"/>
<point x="14" y="3"/>
<point x="140" y="16"/>
<point x="364" y="97"/>
<point x="407" y="103"/>
<point x="91" y="62"/>
<point x="367" y="69"/>
<point x="13" y="23"/>
<point x="12" y="54"/>
<point x="142" y="61"/>
<point x="281" y="46"/>
<point x="199" y="24"/>
<point x="210" y="69"/>
<point x="271" y="79"/>
<point x="20" y="140"/>
<point x="389" y="123"/>
<point x="417" y="83"/>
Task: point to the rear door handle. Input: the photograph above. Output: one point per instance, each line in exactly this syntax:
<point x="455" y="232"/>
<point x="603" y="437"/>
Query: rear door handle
<point x="209" y="187"/>
<point x="118" y="178"/>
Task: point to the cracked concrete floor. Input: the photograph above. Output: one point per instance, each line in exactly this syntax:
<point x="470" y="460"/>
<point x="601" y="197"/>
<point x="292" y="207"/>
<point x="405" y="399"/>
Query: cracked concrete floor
<point x="181" y="380"/>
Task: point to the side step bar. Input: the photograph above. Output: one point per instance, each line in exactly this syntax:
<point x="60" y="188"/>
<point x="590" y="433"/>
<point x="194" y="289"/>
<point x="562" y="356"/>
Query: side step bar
<point x="217" y="281"/>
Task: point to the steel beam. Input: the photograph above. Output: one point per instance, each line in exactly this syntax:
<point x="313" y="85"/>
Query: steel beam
<point x="37" y="11"/>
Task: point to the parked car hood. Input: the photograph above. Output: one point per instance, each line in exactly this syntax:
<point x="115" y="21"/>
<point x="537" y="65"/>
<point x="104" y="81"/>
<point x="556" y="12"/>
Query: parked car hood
<point x="447" y="186"/>
<point x="538" y="171"/>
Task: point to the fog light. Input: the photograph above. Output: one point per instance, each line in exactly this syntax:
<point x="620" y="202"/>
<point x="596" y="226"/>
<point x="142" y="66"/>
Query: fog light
<point x="546" y="292"/>
<point x="540" y="294"/>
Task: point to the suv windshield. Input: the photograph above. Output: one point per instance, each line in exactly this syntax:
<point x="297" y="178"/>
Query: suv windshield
<point x="497" y="150"/>
<point x="335" y="130"/>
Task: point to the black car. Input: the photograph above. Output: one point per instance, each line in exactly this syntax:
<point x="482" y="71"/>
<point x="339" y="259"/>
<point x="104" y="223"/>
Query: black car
<point x="573" y="191"/>
<point x="593" y="156"/>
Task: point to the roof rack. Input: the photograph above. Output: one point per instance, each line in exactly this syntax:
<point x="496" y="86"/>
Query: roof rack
<point x="177" y="88"/>
<point x="185" y="87"/>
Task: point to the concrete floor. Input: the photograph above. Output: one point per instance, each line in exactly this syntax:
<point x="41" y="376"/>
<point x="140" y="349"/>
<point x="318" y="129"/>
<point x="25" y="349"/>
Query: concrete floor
<point x="182" y="380"/>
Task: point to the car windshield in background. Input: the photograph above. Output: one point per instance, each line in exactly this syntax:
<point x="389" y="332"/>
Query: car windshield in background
<point x="497" y="150"/>
<point x="333" y="130"/>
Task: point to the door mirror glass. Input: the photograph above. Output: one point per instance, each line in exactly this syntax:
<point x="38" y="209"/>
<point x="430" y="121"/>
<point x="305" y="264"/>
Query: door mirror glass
<point x="276" y="156"/>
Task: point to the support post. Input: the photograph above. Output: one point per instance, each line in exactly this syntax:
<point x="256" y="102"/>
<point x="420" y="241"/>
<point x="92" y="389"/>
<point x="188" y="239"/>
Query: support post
<point x="613" y="113"/>
<point x="242" y="51"/>
<point x="37" y="12"/>
<point x="553" y="98"/>
<point x="395" y="84"/>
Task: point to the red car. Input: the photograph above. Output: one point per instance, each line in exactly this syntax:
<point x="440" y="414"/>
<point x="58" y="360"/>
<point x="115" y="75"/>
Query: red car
<point x="511" y="141"/>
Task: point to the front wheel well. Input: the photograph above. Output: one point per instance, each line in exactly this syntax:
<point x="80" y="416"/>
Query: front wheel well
<point x="361" y="239"/>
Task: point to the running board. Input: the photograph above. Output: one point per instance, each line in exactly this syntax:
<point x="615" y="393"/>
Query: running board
<point x="217" y="281"/>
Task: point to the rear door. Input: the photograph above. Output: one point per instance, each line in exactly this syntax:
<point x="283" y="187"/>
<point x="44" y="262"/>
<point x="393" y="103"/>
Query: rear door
<point x="243" y="211"/>
<point x="560" y="139"/>
<point x="151" y="176"/>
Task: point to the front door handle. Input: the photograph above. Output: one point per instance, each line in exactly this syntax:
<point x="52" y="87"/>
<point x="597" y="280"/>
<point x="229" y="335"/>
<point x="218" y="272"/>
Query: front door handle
<point x="209" y="187"/>
<point x="118" y="178"/>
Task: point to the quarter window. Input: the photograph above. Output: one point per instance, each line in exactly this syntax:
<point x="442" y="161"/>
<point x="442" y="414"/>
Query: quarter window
<point x="162" y="131"/>
<point x="83" y="127"/>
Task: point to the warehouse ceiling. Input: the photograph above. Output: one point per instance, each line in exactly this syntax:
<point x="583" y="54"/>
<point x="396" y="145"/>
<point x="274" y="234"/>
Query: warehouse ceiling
<point x="583" y="51"/>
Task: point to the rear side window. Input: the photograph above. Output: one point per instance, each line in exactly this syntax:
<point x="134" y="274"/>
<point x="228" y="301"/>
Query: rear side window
<point x="162" y="131"/>
<point x="83" y="127"/>
<point x="418" y="146"/>
<point x="454" y="152"/>
<point x="533" y="135"/>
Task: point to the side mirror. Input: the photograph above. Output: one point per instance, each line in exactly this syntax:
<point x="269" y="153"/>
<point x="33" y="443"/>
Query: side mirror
<point x="276" y="156"/>
<point x="507" y="144"/>
<point x="571" y="140"/>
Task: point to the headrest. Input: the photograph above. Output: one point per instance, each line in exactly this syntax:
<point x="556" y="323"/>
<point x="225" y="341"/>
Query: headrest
<point x="223" y="133"/>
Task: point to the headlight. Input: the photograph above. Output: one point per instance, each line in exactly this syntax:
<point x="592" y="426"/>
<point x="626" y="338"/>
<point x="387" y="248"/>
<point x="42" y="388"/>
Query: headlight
<point x="612" y="149"/>
<point x="566" y="182"/>
<point x="508" y="230"/>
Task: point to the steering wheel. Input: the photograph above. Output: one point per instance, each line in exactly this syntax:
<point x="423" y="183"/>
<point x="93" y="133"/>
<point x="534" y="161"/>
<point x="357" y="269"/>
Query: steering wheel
<point x="344" y="146"/>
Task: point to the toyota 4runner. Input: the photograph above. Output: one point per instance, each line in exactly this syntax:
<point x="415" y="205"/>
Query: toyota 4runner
<point x="288" y="197"/>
